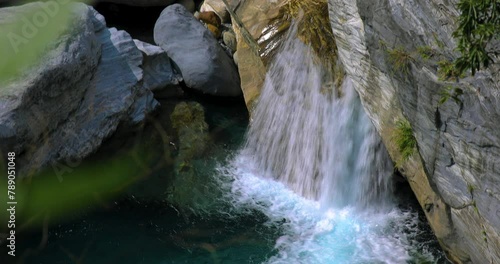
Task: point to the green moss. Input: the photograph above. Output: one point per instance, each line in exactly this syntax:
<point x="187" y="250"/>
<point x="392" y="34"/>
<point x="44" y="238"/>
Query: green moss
<point x="188" y="114"/>
<point x="404" y="140"/>
<point x="400" y="59"/>
<point x="426" y="52"/>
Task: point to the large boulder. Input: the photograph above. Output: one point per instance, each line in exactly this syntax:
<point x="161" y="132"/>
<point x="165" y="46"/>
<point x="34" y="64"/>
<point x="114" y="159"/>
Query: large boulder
<point x="203" y="63"/>
<point x="88" y="84"/>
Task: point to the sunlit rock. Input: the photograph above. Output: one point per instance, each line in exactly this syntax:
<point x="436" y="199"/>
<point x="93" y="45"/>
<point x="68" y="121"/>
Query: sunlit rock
<point x="455" y="175"/>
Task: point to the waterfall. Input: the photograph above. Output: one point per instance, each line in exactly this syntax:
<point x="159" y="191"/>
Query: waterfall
<point x="320" y="144"/>
<point x="314" y="165"/>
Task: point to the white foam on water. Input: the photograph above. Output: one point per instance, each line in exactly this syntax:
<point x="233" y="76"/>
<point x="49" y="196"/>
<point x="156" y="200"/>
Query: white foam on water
<point x="313" y="234"/>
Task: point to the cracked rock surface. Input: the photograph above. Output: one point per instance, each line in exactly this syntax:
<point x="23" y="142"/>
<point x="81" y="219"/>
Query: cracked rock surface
<point x="456" y="176"/>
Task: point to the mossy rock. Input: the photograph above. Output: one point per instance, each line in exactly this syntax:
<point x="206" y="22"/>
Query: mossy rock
<point x="188" y="114"/>
<point x="188" y="119"/>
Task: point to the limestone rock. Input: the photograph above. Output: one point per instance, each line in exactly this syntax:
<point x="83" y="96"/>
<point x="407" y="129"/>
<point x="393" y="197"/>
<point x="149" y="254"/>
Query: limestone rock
<point x="255" y="16"/>
<point x="455" y="177"/>
<point x="266" y="23"/>
<point x="203" y="63"/>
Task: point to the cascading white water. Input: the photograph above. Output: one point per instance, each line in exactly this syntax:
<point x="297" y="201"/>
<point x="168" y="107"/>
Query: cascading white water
<point x="314" y="165"/>
<point x="321" y="145"/>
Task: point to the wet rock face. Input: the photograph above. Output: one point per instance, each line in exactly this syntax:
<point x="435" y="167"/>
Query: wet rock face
<point x="203" y="63"/>
<point x="91" y="81"/>
<point x="457" y="180"/>
<point x="260" y="27"/>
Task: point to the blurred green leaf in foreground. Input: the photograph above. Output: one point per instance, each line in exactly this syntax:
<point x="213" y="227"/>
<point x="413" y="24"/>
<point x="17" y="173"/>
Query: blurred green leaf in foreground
<point x="89" y="184"/>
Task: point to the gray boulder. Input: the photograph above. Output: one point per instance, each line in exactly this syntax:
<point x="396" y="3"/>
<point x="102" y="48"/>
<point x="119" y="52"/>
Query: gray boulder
<point x="159" y="74"/>
<point x="202" y="61"/>
<point x="86" y="86"/>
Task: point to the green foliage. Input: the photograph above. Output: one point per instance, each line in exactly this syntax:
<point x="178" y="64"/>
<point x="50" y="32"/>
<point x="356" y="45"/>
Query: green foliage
<point x="448" y="70"/>
<point x="404" y="139"/>
<point x="450" y="92"/>
<point x="400" y="59"/>
<point x="478" y="24"/>
<point x="426" y="52"/>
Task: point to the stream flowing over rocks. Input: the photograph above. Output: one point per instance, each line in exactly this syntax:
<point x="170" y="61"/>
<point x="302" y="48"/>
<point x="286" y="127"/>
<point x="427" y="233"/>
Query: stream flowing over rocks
<point x="95" y="82"/>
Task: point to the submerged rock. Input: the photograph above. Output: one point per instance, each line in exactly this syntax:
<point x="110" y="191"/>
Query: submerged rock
<point x="88" y="84"/>
<point x="188" y="119"/>
<point x="202" y="61"/>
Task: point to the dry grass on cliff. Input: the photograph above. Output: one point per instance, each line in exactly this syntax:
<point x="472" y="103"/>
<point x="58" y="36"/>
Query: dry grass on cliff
<point x="314" y="29"/>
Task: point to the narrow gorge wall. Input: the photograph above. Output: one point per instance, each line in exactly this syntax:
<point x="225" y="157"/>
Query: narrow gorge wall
<point x="456" y="173"/>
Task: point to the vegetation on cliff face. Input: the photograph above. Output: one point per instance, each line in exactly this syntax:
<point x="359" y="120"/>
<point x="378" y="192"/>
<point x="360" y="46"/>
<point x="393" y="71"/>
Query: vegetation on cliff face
<point x="405" y="140"/>
<point x="478" y="24"/>
<point x="400" y="59"/>
<point x="313" y="29"/>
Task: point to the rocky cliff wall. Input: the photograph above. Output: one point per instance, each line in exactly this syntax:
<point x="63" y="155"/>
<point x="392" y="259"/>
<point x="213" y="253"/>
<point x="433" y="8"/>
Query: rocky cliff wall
<point x="455" y="174"/>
